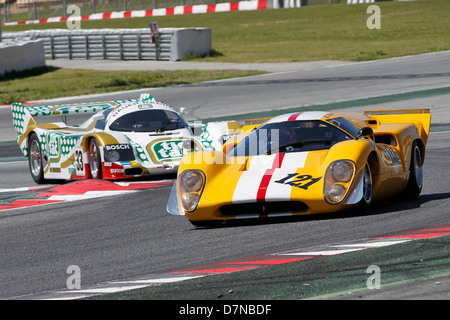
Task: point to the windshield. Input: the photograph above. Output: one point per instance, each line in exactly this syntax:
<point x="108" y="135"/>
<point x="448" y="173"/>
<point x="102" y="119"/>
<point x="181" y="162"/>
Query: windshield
<point x="292" y="136"/>
<point x="149" y="121"/>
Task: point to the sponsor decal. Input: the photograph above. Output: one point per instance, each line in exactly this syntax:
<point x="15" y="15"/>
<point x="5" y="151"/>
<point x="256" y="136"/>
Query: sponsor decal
<point x="145" y="106"/>
<point x="53" y="141"/>
<point x="169" y="150"/>
<point x="118" y="147"/>
<point x="118" y="110"/>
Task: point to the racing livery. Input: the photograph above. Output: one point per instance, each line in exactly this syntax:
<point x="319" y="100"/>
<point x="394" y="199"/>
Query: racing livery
<point x="123" y="139"/>
<point x="304" y="163"/>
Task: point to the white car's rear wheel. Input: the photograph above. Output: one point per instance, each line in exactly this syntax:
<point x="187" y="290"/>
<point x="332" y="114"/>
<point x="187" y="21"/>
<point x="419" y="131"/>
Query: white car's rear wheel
<point x="95" y="161"/>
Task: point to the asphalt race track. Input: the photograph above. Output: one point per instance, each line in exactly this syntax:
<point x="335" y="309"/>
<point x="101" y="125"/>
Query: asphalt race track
<point x="128" y="235"/>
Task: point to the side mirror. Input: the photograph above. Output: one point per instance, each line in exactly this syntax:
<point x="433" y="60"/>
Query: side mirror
<point x="229" y="145"/>
<point x="365" y="132"/>
<point x="99" y="116"/>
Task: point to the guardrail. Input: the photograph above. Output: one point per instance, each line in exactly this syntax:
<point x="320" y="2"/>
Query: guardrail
<point x="119" y="44"/>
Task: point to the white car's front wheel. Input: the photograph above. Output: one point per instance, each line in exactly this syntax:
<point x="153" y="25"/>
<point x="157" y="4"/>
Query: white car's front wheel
<point x="35" y="159"/>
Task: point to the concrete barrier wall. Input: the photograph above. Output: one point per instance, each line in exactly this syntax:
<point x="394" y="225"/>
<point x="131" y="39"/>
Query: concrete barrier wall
<point x="21" y="55"/>
<point x="193" y="41"/>
<point x="123" y="44"/>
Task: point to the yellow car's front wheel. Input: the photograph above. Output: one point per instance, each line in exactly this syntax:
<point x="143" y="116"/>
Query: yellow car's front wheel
<point x="367" y="186"/>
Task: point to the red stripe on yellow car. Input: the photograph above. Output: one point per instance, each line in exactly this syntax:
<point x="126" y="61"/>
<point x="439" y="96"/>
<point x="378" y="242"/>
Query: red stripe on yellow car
<point x="258" y="181"/>
<point x="294" y="116"/>
<point x="261" y="195"/>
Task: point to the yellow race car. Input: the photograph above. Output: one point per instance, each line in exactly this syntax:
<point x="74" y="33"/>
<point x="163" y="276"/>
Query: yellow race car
<point x="304" y="163"/>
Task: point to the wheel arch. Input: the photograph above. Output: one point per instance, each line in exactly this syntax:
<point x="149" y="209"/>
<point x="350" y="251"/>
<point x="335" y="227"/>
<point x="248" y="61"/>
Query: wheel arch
<point x="103" y="139"/>
<point x="421" y="146"/>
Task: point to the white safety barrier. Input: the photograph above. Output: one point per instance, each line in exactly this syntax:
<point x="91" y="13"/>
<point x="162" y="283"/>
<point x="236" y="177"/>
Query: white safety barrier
<point x="178" y="10"/>
<point x="277" y="4"/>
<point x="359" y="1"/>
<point x="21" y="55"/>
<point x="120" y="44"/>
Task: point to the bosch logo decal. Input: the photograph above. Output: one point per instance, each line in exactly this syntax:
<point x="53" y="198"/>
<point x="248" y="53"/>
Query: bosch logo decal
<point x="118" y="147"/>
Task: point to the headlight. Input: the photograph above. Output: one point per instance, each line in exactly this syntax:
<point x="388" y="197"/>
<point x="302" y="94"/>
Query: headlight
<point x="118" y="152"/>
<point x="112" y="156"/>
<point x="342" y="171"/>
<point x="336" y="192"/>
<point x="190" y="201"/>
<point x="191" y="188"/>
<point x="338" y="179"/>
<point x="192" y="181"/>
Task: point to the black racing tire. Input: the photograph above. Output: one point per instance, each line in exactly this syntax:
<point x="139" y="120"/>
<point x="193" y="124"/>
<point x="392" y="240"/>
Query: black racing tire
<point x="35" y="158"/>
<point x="95" y="160"/>
<point x="415" y="182"/>
<point x="367" y="197"/>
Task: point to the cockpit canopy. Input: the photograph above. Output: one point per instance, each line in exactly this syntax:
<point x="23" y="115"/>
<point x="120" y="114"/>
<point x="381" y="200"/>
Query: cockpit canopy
<point x="154" y="120"/>
<point x="295" y="136"/>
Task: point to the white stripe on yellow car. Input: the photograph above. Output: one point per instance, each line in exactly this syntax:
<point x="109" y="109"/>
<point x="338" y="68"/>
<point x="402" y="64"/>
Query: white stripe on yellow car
<point x="258" y="181"/>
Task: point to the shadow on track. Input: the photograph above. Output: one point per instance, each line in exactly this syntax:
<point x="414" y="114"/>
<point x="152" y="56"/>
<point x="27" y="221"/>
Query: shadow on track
<point x="381" y="207"/>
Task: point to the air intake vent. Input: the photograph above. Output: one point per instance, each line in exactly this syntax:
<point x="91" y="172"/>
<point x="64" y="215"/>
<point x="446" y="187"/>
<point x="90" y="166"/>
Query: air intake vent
<point x="133" y="172"/>
<point x="263" y="208"/>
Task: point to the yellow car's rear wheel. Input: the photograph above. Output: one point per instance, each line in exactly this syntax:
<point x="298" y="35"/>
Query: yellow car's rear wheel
<point x="415" y="183"/>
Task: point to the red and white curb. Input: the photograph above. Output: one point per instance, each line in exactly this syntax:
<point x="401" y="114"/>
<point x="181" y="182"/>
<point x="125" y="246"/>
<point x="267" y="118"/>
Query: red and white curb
<point x="79" y="190"/>
<point x="248" y="263"/>
<point x="178" y="10"/>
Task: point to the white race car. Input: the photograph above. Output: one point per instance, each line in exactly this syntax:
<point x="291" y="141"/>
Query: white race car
<point x="123" y="139"/>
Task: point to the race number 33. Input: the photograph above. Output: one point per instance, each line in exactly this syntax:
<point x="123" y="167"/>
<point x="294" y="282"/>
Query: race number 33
<point x="79" y="162"/>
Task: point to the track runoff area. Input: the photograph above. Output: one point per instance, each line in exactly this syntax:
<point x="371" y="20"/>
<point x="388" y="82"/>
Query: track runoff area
<point x="339" y="264"/>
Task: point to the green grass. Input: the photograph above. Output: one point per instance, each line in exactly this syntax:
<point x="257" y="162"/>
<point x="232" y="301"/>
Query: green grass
<point x="46" y="83"/>
<point x="321" y="32"/>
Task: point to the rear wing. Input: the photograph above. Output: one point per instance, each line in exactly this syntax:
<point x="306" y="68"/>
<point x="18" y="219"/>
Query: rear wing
<point x="421" y="118"/>
<point x="79" y="108"/>
<point x="63" y="110"/>
<point x="251" y="124"/>
<point x="23" y="115"/>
